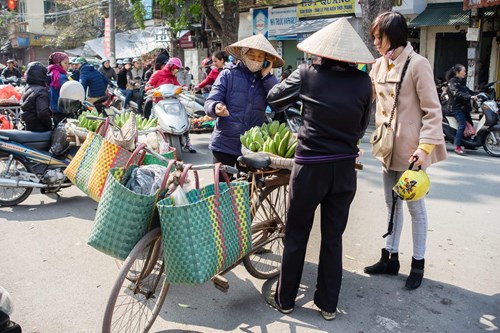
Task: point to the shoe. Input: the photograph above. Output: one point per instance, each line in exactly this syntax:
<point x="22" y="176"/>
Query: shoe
<point x="459" y="150"/>
<point x="190" y="149"/>
<point x="416" y="274"/>
<point x="385" y="265"/>
<point x="272" y="302"/>
<point x="328" y="315"/>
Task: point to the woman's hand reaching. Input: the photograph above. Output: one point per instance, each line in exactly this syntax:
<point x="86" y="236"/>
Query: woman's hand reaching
<point x="221" y="110"/>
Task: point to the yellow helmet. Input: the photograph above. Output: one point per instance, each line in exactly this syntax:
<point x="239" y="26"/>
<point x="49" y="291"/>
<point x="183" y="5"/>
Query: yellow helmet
<point x="413" y="185"/>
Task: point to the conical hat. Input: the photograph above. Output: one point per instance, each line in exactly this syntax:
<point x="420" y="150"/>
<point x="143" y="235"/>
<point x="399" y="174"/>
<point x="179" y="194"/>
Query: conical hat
<point x="338" y="41"/>
<point x="258" y="42"/>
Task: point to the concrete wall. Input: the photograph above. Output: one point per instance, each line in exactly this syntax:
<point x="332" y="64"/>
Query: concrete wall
<point x="35" y="17"/>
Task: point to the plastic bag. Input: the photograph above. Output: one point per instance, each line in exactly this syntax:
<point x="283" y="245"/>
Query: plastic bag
<point x="59" y="144"/>
<point x="179" y="197"/>
<point x="7" y="91"/>
<point x="146" y="179"/>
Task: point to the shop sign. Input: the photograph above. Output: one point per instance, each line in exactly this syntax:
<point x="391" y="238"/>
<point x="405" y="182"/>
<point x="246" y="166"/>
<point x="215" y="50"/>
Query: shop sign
<point x="281" y="19"/>
<point x="469" y="4"/>
<point x="405" y="7"/>
<point x="20" y="40"/>
<point x="311" y="8"/>
<point x="39" y="40"/>
<point x="185" y="41"/>
<point x="260" y="24"/>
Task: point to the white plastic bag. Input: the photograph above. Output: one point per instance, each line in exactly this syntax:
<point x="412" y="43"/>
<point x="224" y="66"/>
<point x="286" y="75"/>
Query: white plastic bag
<point x="179" y="197"/>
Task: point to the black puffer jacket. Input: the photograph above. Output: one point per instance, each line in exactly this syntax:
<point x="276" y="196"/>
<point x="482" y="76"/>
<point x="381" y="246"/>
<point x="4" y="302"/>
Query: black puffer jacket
<point x="459" y="95"/>
<point x="35" y="100"/>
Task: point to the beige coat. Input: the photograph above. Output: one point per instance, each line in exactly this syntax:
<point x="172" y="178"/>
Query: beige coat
<point x="418" y="114"/>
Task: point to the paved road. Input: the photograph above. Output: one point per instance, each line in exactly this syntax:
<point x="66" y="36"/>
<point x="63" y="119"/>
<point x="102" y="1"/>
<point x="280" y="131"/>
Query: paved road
<point x="60" y="285"/>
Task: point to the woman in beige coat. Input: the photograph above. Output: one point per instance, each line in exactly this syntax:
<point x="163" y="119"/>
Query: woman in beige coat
<point x="417" y="129"/>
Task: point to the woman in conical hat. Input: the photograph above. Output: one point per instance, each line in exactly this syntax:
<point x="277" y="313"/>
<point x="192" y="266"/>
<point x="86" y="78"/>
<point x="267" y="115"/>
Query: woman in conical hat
<point x="238" y="96"/>
<point x="336" y="99"/>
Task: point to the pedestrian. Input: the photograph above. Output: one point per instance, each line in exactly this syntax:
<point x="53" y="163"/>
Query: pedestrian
<point x="122" y="82"/>
<point x="136" y="81"/>
<point x="107" y="70"/>
<point x="93" y="82"/>
<point x="459" y="102"/>
<point x="57" y="75"/>
<point x="11" y="70"/>
<point x="238" y="96"/>
<point x="219" y="60"/>
<point x="324" y="166"/>
<point x="206" y="68"/>
<point x="418" y="135"/>
<point x="35" y="101"/>
<point x="73" y="72"/>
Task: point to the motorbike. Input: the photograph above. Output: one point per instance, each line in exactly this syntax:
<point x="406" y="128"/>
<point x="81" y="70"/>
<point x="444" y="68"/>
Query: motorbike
<point x="173" y="119"/>
<point x="292" y="116"/>
<point x="6" y="308"/>
<point x="26" y="161"/>
<point x="193" y="103"/>
<point x="118" y="98"/>
<point x="13" y="80"/>
<point x="487" y="128"/>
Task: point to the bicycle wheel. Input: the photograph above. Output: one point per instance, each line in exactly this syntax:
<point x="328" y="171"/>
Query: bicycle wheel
<point x="268" y="231"/>
<point x="134" y="305"/>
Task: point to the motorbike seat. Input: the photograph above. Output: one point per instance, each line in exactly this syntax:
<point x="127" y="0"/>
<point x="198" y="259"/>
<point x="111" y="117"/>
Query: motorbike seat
<point x="199" y="99"/>
<point x="27" y="136"/>
<point x="100" y="101"/>
<point x="255" y="161"/>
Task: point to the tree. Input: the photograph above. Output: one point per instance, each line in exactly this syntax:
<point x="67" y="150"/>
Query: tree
<point x="223" y="16"/>
<point x="371" y="9"/>
<point x="80" y="20"/>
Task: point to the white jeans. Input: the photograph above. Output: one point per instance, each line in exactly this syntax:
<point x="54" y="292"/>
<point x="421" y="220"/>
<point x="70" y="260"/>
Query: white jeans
<point x="418" y="215"/>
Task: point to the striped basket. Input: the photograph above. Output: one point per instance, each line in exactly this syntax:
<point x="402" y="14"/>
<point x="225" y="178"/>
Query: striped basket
<point x="209" y="234"/>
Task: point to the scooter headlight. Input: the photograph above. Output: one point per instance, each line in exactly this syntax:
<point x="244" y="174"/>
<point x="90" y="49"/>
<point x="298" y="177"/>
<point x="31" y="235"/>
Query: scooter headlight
<point x="172" y="108"/>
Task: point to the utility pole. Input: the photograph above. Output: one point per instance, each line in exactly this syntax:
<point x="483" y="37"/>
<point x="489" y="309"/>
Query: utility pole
<point x="112" y="59"/>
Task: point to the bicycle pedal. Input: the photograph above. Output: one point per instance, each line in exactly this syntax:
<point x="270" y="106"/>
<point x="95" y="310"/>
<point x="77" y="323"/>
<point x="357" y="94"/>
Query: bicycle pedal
<point x="220" y="283"/>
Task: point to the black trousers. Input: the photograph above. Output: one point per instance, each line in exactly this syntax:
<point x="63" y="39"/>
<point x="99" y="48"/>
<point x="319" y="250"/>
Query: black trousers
<point x="333" y="185"/>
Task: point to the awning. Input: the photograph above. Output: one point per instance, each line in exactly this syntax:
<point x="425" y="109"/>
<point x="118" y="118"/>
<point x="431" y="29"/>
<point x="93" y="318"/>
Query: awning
<point x="441" y="14"/>
<point x="468" y="4"/>
<point x="132" y="43"/>
<point x="308" y="26"/>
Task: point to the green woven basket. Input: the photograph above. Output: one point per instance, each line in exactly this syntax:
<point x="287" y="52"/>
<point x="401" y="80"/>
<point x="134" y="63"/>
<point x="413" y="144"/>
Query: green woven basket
<point x="123" y="217"/>
<point x="200" y="239"/>
<point x="151" y="159"/>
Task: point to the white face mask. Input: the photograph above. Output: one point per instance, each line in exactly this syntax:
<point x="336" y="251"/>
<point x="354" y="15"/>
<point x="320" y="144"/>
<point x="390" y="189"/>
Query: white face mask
<point x="252" y="65"/>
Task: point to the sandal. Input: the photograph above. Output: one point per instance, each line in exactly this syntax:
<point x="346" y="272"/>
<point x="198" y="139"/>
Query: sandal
<point x="272" y="302"/>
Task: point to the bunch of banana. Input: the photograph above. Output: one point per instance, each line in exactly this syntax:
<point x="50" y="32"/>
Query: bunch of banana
<point x="142" y="123"/>
<point x="89" y="124"/>
<point x="274" y="138"/>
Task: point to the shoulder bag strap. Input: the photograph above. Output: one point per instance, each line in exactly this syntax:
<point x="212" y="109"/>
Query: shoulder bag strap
<point x="398" y="88"/>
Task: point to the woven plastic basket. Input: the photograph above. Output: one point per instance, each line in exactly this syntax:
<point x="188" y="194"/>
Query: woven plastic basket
<point x="207" y="235"/>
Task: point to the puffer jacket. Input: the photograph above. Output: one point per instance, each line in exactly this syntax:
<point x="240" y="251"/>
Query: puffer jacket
<point x="109" y="73"/>
<point x="94" y="80"/>
<point x="35" y="100"/>
<point x="244" y="94"/>
<point x="459" y="95"/>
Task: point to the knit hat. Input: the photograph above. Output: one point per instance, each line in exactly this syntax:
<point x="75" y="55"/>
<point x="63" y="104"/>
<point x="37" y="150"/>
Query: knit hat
<point x="257" y="42"/>
<point x="56" y="58"/>
<point x="338" y="41"/>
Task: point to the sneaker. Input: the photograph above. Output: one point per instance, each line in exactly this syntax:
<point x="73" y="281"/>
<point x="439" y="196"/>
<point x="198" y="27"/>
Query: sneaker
<point x="459" y="151"/>
<point x="190" y="149"/>
<point x="272" y="302"/>
<point x="328" y="315"/>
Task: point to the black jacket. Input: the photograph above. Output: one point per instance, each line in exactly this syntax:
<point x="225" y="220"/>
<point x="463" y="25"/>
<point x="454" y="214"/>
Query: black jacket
<point x="336" y="106"/>
<point x="8" y="73"/>
<point x="35" y="101"/>
<point x="459" y="95"/>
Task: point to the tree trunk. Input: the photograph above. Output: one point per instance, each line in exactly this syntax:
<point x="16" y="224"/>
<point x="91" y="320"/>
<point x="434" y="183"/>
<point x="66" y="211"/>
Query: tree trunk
<point x="371" y="9"/>
<point x="224" y="25"/>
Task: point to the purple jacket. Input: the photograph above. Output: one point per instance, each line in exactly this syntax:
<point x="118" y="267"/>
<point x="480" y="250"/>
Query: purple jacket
<point x="244" y="94"/>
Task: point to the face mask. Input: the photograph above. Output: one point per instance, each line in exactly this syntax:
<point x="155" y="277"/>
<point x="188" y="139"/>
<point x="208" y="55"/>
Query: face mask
<point x="252" y="65"/>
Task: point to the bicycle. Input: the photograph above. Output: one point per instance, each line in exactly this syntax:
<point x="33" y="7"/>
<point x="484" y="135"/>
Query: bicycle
<point x="140" y="288"/>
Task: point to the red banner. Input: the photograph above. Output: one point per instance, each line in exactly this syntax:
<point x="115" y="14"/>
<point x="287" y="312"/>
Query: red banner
<point x="468" y="4"/>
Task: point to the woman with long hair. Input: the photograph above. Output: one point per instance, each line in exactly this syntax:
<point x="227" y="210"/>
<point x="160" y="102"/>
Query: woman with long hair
<point x="57" y="73"/>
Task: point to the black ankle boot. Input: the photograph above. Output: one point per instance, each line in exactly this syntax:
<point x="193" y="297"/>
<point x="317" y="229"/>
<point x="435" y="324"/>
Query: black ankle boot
<point x="416" y="274"/>
<point x="385" y="265"/>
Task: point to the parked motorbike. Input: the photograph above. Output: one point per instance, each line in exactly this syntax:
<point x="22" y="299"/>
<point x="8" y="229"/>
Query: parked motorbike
<point x="13" y="80"/>
<point x="6" y="308"/>
<point x="118" y="98"/>
<point x="292" y="116"/>
<point x="25" y="158"/>
<point x="172" y="117"/>
<point x="487" y="128"/>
